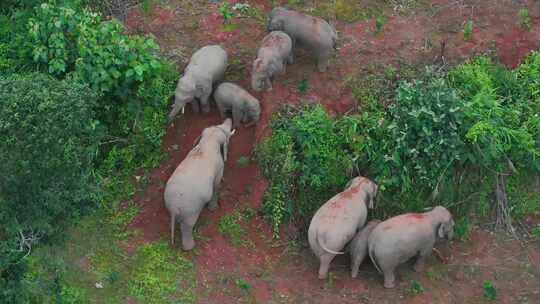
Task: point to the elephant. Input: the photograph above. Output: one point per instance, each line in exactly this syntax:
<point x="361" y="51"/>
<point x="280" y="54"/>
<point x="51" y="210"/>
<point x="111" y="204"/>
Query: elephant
<point x="244" y="107"/>
<point x="196" y="181"/>
<point x="336" y="222"/>
<point x="313" y="33"/>
<point x="206" y="68"/>
<point x="359" y="246"/>
<point x="402" y="237"/>
<point x="273" y="55"/>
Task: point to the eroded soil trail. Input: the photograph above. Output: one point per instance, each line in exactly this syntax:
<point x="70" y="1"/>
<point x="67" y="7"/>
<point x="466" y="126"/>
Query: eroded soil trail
<point x="262" y="270"/>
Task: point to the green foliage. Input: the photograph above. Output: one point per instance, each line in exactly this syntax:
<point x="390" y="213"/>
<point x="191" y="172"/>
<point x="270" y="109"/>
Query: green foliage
<point x="277" y="159"/>
<point x="490" y="292"/>
<point x="303" y="152"/>
<point x="156" y="279"/>
<point x="48" y="142"/>
<point x="243" y="161"/>
<point x="230" y="227"/>
<point x="499" y="125"/>
<point x="380" y="21"/>
<point x="73" y="39"/>
<point x="536" y="230"/>
<point x="242" y="284"/>
<point x="423" y="126"/>
<point x="225" y="9"/>
<point x="462" y="228"/>
<point x="416" y="288"/>
<point x="467" y="30"/>
<point x="524" y="19"/>
<point x="303" y="86"/>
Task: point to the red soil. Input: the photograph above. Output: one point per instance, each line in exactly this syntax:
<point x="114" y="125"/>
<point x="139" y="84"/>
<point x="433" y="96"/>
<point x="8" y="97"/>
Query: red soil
<point x="276" y="271"/>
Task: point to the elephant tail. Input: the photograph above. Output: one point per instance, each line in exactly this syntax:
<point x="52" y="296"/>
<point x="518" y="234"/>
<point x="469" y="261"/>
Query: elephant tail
<point x="374" y="259"/>
<point x="326" y="249"/>
<point x="173" y="219"/>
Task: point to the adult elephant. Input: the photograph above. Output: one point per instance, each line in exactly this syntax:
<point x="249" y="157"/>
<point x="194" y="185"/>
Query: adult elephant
<point x="196" y="181"/>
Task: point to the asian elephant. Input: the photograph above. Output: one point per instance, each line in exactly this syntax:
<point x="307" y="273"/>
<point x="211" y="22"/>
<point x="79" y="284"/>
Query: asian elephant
<point x="313" y="33"/>
<point x="359" y="246"/>
<point x="336" y="222"/>
<point x="196" y="181"/>
<point x="206" y="67"/>
<point x="244" y="107"/>
<point x="400" y="238"/>
<point x="273" y="55"/>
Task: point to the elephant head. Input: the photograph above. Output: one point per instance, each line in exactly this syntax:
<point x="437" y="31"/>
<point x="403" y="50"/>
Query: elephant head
<point x="221" y="134"/>
<point x="276" y="22"/>
<point x="369" y="187"/>
<point x="187" y="90"/>
<point x="261" y="72"/>
<point x="444" y="223"/>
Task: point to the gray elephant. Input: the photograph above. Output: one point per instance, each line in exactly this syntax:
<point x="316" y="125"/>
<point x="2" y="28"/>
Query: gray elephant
<point x="400" y="238"/>
<point x="273" y="55"/>
<point x="196" y="181"/>
<point x="314" y="33"/>
<point x="359" y="246"/>
<point x="206" y="67"/>
<point x="336" y="222"/>
<point x="244" y="107"/>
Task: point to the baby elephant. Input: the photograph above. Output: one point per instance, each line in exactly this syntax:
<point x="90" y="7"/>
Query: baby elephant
<point x="274" y="53"/>
<point x="245" y="108"/>
<point x="400" y="238"/>
<point x="359" y="246"/>
<point x="337" y="221"/>
<point x="313" y="33"/>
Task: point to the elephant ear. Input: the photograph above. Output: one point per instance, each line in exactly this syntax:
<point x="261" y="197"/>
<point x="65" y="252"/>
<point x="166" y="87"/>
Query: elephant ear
<point x="440" y="231"/>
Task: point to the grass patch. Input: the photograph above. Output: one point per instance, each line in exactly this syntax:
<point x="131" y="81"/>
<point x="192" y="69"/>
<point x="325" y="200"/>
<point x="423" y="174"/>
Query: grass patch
<point x="161" y="275"/>
<point x="230" y="227"/>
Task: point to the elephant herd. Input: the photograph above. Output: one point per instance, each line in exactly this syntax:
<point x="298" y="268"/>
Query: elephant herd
<point x="341" y="222"/>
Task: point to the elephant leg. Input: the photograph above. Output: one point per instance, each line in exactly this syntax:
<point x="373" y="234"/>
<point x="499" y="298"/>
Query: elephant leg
<point x="421" y="259"/>
<point x="186" y="226"/>
<point x="325" y="260"/>
<point x="213" y="205"/>
<point x="195" y="106"/>
<point x="389" y="279"/>
<point x="268" y="84"/>
<point x="290" y="60"/>
<point x="354" y="268"/>
<point x="283" y="69"/>
<point x="205" y="104"/>
<point x="221" y="110"/>
<point x="237" y="116"/>
<point x="322" y="62"/>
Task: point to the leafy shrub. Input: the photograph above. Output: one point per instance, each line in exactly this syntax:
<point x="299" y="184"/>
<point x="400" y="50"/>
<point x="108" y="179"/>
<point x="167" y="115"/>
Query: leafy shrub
<point x="304" y="152"/>
<point x="499" y="122"/>
<point x="72" y="38"/>
<point x="490" y="292"/>
<point x="277" y="159"/>
<point x="424" y="129"/>
<point x="48" y="142"/>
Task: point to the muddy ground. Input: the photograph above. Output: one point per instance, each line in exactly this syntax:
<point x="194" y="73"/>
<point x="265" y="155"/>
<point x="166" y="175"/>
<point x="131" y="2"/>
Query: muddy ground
<point x="281" y="271"/>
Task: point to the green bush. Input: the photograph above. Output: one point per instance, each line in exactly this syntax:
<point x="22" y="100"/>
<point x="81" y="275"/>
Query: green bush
<point x="69" y="38"/>
<point x="500" y="121"/>
<point x="304" y="152"/>
<point x="48" y="144"/>
<point x="424" y="132"/>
